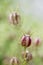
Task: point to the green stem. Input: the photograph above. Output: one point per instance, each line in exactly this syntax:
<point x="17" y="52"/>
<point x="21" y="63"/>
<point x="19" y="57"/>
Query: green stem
<point x="24" y="48"/>
<point x="24" y="62"/>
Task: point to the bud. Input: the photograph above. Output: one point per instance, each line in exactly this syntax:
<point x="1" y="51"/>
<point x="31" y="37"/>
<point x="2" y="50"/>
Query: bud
<point x="27" y="55"/>
<point x="14" y="18"/>
<point x="14" y="61"/>
<point x="37" y="41"/>
<point x="26" y="40"/>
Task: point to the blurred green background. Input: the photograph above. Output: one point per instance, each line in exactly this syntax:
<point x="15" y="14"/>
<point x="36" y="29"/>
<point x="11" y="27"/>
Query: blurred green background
<point x="31" y="19"/>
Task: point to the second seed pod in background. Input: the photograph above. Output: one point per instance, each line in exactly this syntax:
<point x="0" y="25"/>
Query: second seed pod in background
<point x="14" y="18"/>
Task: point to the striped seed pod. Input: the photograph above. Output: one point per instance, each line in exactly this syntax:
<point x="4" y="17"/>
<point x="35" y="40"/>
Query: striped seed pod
<point x="37" y="41"/>
<point x="14" y="61"/>
<point x="27" y="55"/>
<point x="14" y="18"/>
<point x="26" y="40"/>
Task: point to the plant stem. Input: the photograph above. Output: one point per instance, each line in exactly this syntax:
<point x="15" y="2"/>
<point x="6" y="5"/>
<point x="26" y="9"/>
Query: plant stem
<point x="24" y="48"/>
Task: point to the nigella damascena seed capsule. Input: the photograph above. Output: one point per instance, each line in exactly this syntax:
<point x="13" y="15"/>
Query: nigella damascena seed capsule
<point x="37" y="41"/>
<point x="26" y="40"/>
<point x="14" y="61"/>
<point x="14" y="18"/>
<point x="27" y="55"/>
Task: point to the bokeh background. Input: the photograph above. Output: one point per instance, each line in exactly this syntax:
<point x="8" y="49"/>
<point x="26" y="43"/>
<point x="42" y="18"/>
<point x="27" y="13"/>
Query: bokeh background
<point x="31" y="12"/>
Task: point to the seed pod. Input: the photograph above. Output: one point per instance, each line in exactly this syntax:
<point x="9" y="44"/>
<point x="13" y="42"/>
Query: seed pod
<point x="26" y="40"/>
<point x="37" y="41"/>
<point x="14" y="18"/>
<point x="14" y="61"/>
<point x="27" y="55"/>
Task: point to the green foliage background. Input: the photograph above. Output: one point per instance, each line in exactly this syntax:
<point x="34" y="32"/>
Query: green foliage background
<point x="11" y="47"/>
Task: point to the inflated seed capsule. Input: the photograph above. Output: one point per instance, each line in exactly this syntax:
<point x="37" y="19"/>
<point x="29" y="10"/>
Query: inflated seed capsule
<point x="14" y="18"/>
<point x="27" y="55"/>
<point x="26" y="40"/>
<point x="37" y="41"/>
<point x="14" y="61"/>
